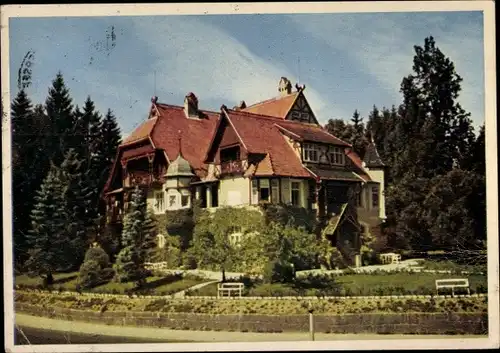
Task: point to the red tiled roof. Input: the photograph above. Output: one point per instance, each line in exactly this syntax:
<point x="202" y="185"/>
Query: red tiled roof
<point x="137" y="151"/>
<point x="196" y="135"/>
<point x="264" y="167"/>
<point x="141" y="132"/>
<point x="310" y="132"/>
<point x="277" y="107"/>
<point x="260" y="135"/>
<point x="353" y="156"/>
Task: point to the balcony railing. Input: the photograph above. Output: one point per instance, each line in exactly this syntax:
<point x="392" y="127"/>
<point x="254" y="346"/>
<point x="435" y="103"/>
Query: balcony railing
<point x="233" y="167"/>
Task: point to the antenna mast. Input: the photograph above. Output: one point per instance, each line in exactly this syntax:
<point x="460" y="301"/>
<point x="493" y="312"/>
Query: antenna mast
<point x="155" y="83"/>
<point x="298" y="69"/>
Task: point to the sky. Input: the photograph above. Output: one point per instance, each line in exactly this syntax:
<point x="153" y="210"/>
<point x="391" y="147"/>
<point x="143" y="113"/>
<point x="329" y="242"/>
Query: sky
<point x="347" y="61"/>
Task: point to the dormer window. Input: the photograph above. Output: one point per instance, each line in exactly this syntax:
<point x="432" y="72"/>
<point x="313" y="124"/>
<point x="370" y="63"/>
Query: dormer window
<point x="337" y="156"/>
<point x="230" y="154"/>
<point x="311" y="153"/>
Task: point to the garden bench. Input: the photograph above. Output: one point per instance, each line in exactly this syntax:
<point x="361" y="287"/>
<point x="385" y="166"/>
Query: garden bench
<point x="452" y="283"/>
<point x="229" y="288"/>
<point x="390" y="258"/>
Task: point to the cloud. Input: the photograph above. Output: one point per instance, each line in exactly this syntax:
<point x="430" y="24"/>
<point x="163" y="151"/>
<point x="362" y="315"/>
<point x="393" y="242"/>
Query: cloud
<point x="382" y="44"/>
<point x="195" y="56"/>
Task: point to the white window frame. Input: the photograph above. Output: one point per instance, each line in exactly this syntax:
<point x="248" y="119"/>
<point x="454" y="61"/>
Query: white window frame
<point x="235" y="239"/>
<point x="175" y="197"/>
<point x="299" y="190"/>
<point x="275" y="191"/>
<point x="308" y="149"/>
<point x="255" y="192"/>
<point x="337" y="156"/>
<point x="265" y="184"/>
<point x="372" y="191"/>
<point x="188" y="195"/>
<point x="159" y="201"/>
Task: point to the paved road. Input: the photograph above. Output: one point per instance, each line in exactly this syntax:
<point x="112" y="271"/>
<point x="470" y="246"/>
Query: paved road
<point x="152" y="334"/>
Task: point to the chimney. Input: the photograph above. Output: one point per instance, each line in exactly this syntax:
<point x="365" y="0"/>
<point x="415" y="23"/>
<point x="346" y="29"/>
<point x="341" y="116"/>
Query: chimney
<point x="191" y="105"/>
<point x="240" y="106"/>
<point x="284" y="86"/>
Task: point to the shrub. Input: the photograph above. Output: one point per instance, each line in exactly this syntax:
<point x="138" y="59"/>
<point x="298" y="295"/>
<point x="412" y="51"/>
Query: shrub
<point x="278" y="272"/>
<point x="95" y="269"/>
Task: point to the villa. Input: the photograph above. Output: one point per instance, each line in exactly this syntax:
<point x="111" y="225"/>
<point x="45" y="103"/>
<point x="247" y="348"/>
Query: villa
<point x="273" y="151"/>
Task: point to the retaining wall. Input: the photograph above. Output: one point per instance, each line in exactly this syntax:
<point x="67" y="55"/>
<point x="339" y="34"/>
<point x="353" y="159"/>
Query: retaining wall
<point x="404" y="323"/>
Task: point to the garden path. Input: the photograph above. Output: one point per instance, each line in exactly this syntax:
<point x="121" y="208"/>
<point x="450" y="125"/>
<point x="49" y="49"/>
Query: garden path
<point x="182" y="293"/>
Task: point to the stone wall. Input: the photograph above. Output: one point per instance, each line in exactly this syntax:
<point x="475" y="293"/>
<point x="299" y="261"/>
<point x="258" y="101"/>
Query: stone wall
<point x="404" y="323"/>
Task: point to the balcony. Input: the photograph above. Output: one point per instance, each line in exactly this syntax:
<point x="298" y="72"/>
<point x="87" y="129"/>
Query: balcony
<point x="233" y="167"/>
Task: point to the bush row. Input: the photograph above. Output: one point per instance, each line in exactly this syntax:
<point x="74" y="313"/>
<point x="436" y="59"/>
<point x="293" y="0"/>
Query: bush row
<point x="263" y="306"/>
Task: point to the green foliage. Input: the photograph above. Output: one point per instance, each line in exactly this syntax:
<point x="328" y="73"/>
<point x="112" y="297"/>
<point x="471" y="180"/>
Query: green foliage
<point x="284" y="244"/>
<point x="169" y="253"/>
<point x="50" y="249"/>
<point x="211" y="245"/>
<point x="180" y="223"/>
<point x="79" y="201"/>
<point x="138" y="240"/>
<point x="290" y="215"/>
<point x="278" y="271"/>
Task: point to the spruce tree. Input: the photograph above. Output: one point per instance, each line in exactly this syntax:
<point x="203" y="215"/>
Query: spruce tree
<point x="78" y="197"/>
<point x="23" y="159"/>
<point x="47" y="238"/>
<point x="340" y="129"/>
<point x="138" y="238"/>
<point x="59" y="108"/>
<point x="358" y="139"/>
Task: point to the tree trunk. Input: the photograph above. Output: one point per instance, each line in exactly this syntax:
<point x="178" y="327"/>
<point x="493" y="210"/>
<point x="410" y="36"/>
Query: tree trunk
<point x="223" y="275"/>
<point x="50" y="279"/>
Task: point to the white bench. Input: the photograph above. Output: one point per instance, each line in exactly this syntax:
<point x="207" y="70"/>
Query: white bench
<point x="452" y="283"/>
<point x="390" y="258"/>
<point x="229" y="288"/>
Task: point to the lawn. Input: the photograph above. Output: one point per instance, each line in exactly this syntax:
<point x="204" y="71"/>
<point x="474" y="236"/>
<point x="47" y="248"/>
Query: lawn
<point x="353" y="285"/>
<point x="155" y="285"/>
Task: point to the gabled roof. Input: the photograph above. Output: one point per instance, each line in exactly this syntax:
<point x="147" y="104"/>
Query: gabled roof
<point x="358" y="164"/>
<point x="196" y="134"/>
<point x="141" y="132"/>
<point x="260" y="136"/>
<point x="372" y="158"/>
<point x="310" y="132"/>
<point x="277" y="107"/>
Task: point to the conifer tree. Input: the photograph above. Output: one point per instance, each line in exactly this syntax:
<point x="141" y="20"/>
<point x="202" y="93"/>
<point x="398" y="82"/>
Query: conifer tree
<point x="339" y="128"/>
<point x="23" y="157"/>
<point x="138" y="239"/>
<point x="78" y="199"/>
<point x="59" y="108"/>
<point x="47" y="239"/>
<point x="358" y="139"/>
<point x="432" y="139"/>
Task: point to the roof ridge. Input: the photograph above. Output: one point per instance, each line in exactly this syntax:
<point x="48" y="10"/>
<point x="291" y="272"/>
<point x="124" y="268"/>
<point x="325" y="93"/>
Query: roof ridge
<point x="271" y="162"/>
<point x="255" y="115"/>
<point x="167" y="105"/>
<point x="276" y="98"/>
